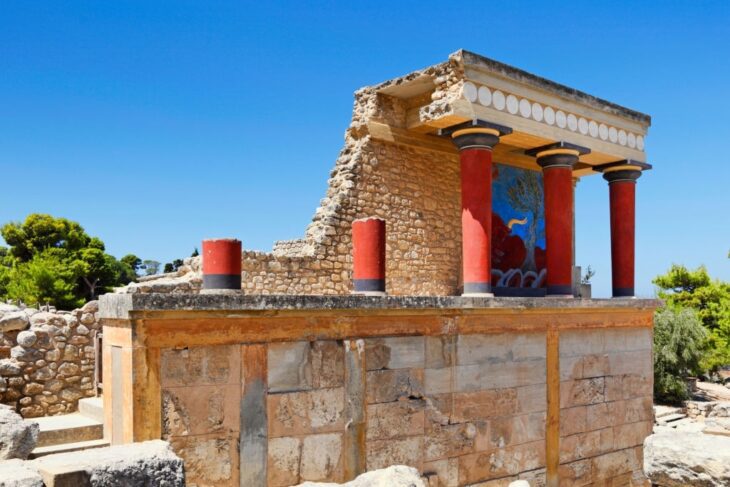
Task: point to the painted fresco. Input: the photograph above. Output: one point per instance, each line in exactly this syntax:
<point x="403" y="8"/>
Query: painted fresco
<point x="518" y="228"/>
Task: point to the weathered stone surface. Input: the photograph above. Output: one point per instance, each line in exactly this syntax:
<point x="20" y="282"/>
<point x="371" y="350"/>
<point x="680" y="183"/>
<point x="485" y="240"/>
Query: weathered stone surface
<point x="26" y="338"/>
<point x="401" y="451"/>
<point x="284" y="460"/>
<point x="209" y="460"/>
<point x="322" y="457"/>
<point x="675" y="459"/>
<point x="395" y="476"/>
<point x="290" y="367"/>
<point x="391" y="385"/>
<point x="17" y="437"/>
<point x="17" y="320"/>
<point x="17" y="473"/>
<point x="301" y="413"/>
<point x="200" y="365"/>
<point x="395" y="419"/>
<point x="146" y="463"/>
<point x="201" y="410"/>
<point x="395" y="353"/>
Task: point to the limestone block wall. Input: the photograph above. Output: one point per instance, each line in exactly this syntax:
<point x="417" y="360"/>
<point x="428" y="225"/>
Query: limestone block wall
<point x="47" y="359"/>
<point x="271" y="397"/>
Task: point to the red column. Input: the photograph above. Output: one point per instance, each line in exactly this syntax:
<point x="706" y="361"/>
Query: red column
<point x="222" y="264"/>
<point x="368" y="256"/>
<point x="475" y="151"/>
<point x="557" y="161"/>
<point x="622" y="190"/>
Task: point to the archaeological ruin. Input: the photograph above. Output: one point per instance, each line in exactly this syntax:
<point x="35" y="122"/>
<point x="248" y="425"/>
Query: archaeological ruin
<point x="432" y="315"/>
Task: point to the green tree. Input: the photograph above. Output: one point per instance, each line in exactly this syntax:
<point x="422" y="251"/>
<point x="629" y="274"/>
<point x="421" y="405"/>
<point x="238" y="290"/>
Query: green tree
<point x="45" y="279"/>
<point x="679" y="348"/>
<point x="53" y="260"/>
<point x="694" y="289"/>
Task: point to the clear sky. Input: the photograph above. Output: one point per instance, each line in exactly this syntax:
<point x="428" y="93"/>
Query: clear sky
<point x="158" y="123"/>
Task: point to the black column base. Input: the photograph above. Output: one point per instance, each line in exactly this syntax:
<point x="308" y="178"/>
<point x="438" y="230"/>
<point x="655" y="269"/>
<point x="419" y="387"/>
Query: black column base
<point x="560" y="290"/>
<point x="623" y="292"/>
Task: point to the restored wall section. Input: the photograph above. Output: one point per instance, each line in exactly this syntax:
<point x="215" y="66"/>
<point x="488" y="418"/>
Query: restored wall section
<point x="47" y="359"/>
<point x="275" y="392"/>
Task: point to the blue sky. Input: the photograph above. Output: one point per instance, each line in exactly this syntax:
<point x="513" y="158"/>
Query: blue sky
<point x="158" y="123"/>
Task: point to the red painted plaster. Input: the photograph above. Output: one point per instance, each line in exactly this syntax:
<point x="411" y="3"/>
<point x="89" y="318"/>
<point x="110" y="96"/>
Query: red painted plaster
<point x="476" y="213"/>
<point x="222" y="256"/>
<point x="623" y="195"/>
<point x="558" y="188"/>
<point x="368" y="249"/>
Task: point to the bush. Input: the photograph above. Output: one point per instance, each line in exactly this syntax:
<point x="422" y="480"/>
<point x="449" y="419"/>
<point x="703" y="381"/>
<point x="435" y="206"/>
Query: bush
<point x="679" y="349"/>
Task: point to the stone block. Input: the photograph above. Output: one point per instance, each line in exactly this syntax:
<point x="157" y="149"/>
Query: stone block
<point x="399" y="451"/>
<point x="581" y="392"/>
<point x="575" y="474"/>
<point x="451" y="440"/>
<point x="475" y="406"/>
<point x="502" y="347"/>
<point x="581" y="342"/>
<point x="598" y="416"/>
<point x="532" y="399"/>
<point x="391" y="385"/>
<point x="289" y="367"/>
<point x="634" y="362"/>
<point x="284" y="459"/>
<point x="395" y="419"/>
<point x="200" y="410"/>
<point x="322" y="458"/>
<point x="503" y="462"/>
<point x="516" y="430"/>
<point x="499" y="375"/>
<point x="631" y="434"/>
<point x="395" y="353"/>
<point x="438" y="381"/>
<point x="615" y="463"/>
<point x="585" y="445"/>
<point x="633" y="386"/>
<point x="446" y="472"/>
<point x="440" y="351"/>
<point x="639" y="409"/>
<point x="594" y="365"/>
<point x="209" y="459"/>
<point x="627" y="339"/>
<point x="328" y="364"/>
<point x="574" y="420"/>
<point x="303" y="413"/>
<point x="220" y="364"/>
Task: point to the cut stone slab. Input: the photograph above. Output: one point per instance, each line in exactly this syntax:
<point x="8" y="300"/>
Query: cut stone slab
<point x="68" y="428"/>
<point x="17" y="436"/>
<point x="395" y="476"/>
<point x="42" y="451"/>
<point x="662" y="411"/>
<point x="679" y="459"/>
<point x="147" y="463"/>
<point x="17" y="473"/>
<point x="92" y="407"/>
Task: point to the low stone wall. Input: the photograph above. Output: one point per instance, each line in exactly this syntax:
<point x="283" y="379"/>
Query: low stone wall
<point x="273" y="391"/>
<point x="47" y="358"/>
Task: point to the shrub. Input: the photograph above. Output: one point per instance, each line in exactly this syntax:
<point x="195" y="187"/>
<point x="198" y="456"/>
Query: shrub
<point x="679" y="349"/>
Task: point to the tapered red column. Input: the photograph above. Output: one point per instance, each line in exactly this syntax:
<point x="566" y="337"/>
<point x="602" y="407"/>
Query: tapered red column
<point x="475" y="142"/>
<point x="221" y="264"/>
<point x="557" y="161"/>
<point x="621" y="177"/>
<point x="368" y="256"/>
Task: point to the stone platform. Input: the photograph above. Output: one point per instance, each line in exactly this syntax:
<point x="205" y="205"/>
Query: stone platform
<point x="277" y="390"/>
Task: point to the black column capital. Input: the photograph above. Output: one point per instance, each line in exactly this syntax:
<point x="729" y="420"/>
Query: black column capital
<point x="558" y="154"/>
<point x="475" y="134"/>
<point x="626" y="170"/>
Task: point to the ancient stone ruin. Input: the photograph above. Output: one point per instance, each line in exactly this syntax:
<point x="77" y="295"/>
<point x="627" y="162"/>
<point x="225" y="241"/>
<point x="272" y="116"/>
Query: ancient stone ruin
<point x="431" y="316"/>
<point x="293" y="375"/>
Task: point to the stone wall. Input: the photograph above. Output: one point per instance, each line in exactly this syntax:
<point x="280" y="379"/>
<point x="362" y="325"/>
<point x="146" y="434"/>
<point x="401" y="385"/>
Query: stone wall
<point x="415" y="188"/>
<point x="47" y="358"/>
<point x="323" y="389"/>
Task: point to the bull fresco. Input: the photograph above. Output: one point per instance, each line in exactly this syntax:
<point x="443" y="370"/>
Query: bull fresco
<point x="518" y="231"/>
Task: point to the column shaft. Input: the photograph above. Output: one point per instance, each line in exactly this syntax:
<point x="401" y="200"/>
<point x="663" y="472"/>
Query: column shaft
<point x="622" y="194"/>
<point x="476" y="219"/>
<point x="558" y="189"/>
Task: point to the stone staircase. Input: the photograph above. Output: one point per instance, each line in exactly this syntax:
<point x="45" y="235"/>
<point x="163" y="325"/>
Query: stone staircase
<point x="72" y="432"/>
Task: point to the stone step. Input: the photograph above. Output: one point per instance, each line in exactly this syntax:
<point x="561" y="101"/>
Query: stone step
<point x="69" y="428"/>
<point x="92" y="407"/>
<point x="42" y="451"/>
<point x="662" y="411"/>
<point x="669" y="418"/>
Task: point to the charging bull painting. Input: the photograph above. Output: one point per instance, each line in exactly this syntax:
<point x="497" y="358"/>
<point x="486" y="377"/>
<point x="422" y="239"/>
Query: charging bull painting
<point x="518" y="231"/>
